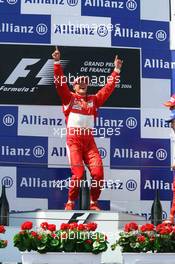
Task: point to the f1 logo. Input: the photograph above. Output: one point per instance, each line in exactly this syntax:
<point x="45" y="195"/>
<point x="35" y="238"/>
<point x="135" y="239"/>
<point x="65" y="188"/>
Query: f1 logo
<point x="22" y="71"/>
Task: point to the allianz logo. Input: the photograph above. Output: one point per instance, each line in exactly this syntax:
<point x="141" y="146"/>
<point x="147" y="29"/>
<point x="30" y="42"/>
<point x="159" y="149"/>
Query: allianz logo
<point x="41" y="120"/>
<point x="158" y="185"/>
<point x="52" y="2"/>
<point x="131" y="5"/>
<point x="129" y="153"/>
<point x="124" y="32"/>
<point x="158" y="64"/>
<point x="59" y="152"/>
<point x="81" y="29"/>
<point x="8" y="120"/>
<point x="156" y="122"/>
<point x="37" y="151"/>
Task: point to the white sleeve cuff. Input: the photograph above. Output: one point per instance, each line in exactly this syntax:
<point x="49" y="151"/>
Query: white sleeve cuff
<point x="56" y="62"/>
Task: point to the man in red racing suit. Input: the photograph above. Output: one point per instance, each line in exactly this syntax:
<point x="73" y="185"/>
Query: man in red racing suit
<point x="80" y="110"/>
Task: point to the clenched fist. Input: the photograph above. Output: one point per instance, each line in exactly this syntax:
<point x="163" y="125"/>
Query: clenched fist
<point x="56" y="55"/>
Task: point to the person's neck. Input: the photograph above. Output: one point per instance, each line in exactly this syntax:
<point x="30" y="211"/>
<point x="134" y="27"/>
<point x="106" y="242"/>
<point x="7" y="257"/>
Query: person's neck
<point x="82" y="95"/>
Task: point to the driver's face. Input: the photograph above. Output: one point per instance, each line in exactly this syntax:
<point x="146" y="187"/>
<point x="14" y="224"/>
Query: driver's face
<point x="80" y="88"/>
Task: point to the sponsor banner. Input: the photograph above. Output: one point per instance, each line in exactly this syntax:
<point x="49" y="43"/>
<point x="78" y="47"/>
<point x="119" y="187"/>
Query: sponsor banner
<point x="148" y="8"/>
<point x="144" y="33"/>
<point x="157" y="64"/>
<point x="24" y="150"/>
<point x="155" y="98"/>
<point x="124" y="32"/>
<point x="124" y="8"/>
<point x="9" y="7"/>
<point x="117" y="122"/>
<point x="58" y="7"/>
<point x="25" y="28"/>
<point x="8" y="177"/>
<point x="8" y="120"/>
<point x="58" y="152"/>
<point x="121" y="185"/>
<point x="142" y="208"/>
<point x="42" y="183"/>
<point x="156" y="178"/>
<point x="81" y="31"/>
<point x="36" y="121"/>
<point x="103" y="146"/>
<point x="157" y="35"/>
<point x="46" y="121"/>
<point x="29" y="79"/>
<point x="141" y="153"/>
<point x="50" y="184"/>
<point x="154" y="124"/>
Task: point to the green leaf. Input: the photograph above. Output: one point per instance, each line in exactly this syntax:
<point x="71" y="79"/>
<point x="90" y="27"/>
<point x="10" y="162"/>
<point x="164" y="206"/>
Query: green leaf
<point x="44" y="239"/>
<point x="103" y="247"/>
<point x="69" y="246"/>
<point x="54" y="243"/>
<point x="96" y="244"/>
<point x="41" y="247"/>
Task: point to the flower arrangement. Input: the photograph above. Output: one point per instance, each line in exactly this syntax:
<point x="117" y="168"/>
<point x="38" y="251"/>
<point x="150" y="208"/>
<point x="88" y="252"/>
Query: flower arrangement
<point x="3" y="243"/>
<point x="71" y="237"/>
<point x="147" y="238"/>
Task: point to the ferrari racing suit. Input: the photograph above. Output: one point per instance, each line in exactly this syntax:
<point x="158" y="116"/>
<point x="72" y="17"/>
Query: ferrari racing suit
<point x="80" y="112"/>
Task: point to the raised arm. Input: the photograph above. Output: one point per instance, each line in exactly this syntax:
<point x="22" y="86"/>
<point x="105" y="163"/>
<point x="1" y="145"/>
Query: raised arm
<point x="60" y="80"/>
<point x="103" y="94"/>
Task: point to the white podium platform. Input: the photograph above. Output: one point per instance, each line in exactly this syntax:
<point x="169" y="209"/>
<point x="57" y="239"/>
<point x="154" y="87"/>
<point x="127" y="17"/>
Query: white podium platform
<point x="60" y="216"/>
<point x="108" y="222"/>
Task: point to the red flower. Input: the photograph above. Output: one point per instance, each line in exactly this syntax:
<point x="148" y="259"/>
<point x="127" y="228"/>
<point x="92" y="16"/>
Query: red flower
<point x="141" y="239"/>
<point x="51" y="227"/>
<point x="2" y="229"/>
<point x="147" y="227"/>
<point x="27" y="225"/>
<point x="40" y="237"/>
<point x="73" y="226"/>
<point x="81" y="227"/>
<point x="164" y="229"/>
<point x="53" y="235"/>
<point x="44" y="225"/>
<point x="130" y="226"/>
<point x="64" y="226"/>
<point x="34" y="234"/>
<point x="91" y="226"/>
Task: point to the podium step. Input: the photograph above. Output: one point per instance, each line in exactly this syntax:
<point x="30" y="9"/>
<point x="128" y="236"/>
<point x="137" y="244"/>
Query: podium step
<point x="59" y="216"/>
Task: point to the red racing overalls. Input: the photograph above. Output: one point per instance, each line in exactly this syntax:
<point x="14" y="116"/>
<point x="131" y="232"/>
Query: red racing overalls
<point x="80" y="112"/>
